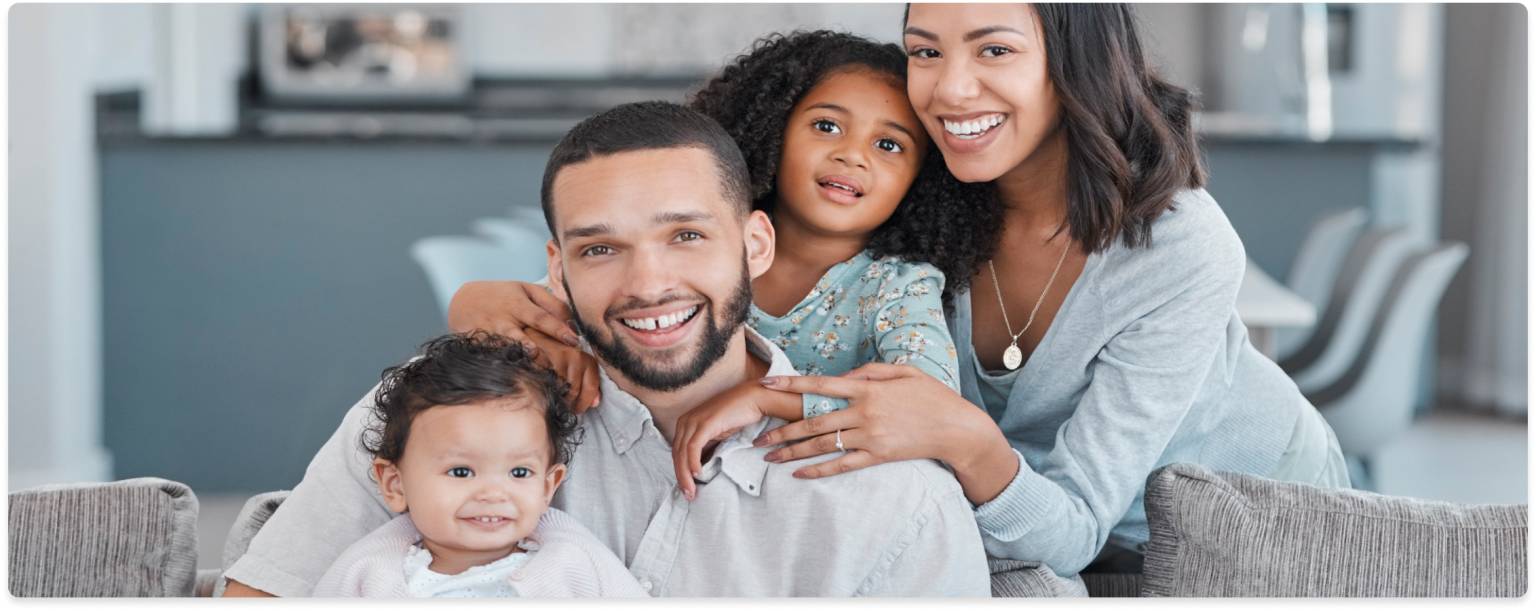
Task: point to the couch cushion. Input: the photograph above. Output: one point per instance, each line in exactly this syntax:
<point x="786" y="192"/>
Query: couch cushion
<point x="135" y="537"/>
<point x="1018" y="579"/>
<point x="1224" y="534"/>
<point x="252" y="516"/>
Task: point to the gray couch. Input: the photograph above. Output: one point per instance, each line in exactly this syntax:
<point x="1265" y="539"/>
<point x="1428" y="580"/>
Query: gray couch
<point x="1212" y="534"/>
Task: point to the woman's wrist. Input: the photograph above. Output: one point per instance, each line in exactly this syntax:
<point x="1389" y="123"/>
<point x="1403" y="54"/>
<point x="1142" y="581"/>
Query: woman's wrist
<point x="983" y="461"/>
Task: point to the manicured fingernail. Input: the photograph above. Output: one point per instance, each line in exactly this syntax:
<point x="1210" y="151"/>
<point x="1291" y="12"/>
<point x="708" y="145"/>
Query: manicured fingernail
<point x="772" y="456"/>
<point x="570" y="338"/>
<point x="758" y="441"/>
<point x="771" y="381"/>
<point x="596" y="400"/>
<point x="799" y="474"/>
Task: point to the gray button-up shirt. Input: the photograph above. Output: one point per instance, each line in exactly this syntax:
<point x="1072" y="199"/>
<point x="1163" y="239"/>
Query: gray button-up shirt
<point x="897" y="529"/>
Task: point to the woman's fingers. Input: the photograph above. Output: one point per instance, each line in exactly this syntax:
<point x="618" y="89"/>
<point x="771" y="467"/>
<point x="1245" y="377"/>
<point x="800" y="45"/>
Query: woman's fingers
<point x="683" y="436"/>
<point x="591" y="384"/>
<point x="548" y="314"/>
<point x="879" y="371"/>
<point x="856" y="459"/>
<point x="822" y="385"/>
<point x="815" y="446"/>
<point x="827" y="423"/>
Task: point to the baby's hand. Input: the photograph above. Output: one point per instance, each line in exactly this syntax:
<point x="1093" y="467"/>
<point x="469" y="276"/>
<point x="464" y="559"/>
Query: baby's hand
<point x="704" y="426"/>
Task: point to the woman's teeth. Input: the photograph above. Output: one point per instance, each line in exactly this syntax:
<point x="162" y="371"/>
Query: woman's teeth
<point x="660" y="322"/>
<point x="975" y="127"/>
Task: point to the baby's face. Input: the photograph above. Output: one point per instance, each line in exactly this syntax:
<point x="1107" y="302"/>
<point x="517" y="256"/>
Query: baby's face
<point x="475" y="478"/>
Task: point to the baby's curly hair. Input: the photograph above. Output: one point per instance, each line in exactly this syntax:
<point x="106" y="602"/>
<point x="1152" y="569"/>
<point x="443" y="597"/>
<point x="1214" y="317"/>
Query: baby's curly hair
<point x="944" y="222"/>
<point x="459" y="369"/>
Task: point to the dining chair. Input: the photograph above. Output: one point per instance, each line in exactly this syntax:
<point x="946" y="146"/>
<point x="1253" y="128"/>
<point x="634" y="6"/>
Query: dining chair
<point x="518" y="233"/>
<point x="1358" y="290"/>
<point x="1316" y="267"/>
<point x="450" y="261"/>
<point x="1373" y="402"/>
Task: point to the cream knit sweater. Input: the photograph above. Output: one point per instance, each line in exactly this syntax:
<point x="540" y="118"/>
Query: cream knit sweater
<point x="569" y="563"/>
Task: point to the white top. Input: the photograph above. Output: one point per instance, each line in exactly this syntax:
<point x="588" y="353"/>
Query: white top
<point x="490" y="580"/>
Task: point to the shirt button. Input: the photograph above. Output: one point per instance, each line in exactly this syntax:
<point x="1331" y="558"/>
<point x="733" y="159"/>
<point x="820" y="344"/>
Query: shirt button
<point x="646" y="584"/>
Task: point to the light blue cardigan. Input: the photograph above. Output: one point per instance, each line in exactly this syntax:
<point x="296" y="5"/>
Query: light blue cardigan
<point x="1145" y="364"/>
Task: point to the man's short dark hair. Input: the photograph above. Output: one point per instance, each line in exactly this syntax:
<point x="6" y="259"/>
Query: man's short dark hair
<point x="467" y="368"/>
<point x="640" y="126"/>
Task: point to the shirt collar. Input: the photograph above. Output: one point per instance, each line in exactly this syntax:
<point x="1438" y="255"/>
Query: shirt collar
<point x="626" y="419"/>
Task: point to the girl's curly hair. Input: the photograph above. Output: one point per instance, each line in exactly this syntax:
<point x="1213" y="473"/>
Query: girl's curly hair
<point x="467" y="368"/>
<point x="951" y="225"/>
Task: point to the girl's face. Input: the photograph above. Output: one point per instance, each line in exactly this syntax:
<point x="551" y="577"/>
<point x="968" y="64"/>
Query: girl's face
<point x="977" y="77"/>
<point x="852" y="147"/>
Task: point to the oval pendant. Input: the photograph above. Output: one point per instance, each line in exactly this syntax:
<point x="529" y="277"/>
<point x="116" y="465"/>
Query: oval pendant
<point x="1013" y="357"/>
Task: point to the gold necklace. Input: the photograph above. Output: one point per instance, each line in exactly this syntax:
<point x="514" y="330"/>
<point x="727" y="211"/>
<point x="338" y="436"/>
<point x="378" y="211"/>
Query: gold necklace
<point x="1013" y="356"/>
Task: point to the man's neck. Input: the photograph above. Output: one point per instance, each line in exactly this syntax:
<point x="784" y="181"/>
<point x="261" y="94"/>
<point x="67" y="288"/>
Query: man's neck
<point x="736" y="366"/>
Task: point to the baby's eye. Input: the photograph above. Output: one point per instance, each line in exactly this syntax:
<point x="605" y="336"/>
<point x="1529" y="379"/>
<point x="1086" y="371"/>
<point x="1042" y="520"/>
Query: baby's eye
<point x="995" y="51"/>
<point x="522" y="472"/>
<point x="888" y="145"/>
<point x="823" y="125"/>
<point x="461" y="472"/>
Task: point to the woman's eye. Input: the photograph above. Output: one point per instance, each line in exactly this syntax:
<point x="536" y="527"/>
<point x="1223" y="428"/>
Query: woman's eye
<point x="995" y="51"/>
<point x="521" y="472"/>
<point x="461" y="472"/>
<point x="689" y="236"/>
<point x="596" y="251"/>
<point x="823" y="125"/>
<point x="923" y="53"/>
<point x="888" y="145"/>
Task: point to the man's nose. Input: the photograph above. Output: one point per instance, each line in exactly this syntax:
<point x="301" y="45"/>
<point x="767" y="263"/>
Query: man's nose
<point x="651" y="273"/>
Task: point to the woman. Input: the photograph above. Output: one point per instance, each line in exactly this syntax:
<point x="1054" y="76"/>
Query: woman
<point x="1101" y="339"/>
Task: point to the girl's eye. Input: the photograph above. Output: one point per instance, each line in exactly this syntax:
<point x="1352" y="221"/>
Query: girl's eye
<point x="596" y="251"/>
<point x="461" y="472"/>
<point x="995" y="51"/>
<point x="823" y="125"/>
<point x="689" y="236"/>
<point x="888" y="145"/>
<point x="923" y="53"/>
<point x="521" y="472"/>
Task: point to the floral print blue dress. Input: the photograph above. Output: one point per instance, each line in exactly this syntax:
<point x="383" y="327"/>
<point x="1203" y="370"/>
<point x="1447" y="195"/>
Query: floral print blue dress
<point x="865" y="310"/>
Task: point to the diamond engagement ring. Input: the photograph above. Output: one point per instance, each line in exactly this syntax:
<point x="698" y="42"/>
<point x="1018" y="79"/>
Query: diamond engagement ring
<point x="839" y="442"/>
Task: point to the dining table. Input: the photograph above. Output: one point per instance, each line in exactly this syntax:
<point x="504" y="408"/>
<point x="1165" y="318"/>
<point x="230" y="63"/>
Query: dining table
<point x="1265" y="305"/>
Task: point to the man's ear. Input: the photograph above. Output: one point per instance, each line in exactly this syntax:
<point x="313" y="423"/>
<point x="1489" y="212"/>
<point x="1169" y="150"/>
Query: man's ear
<point x="390" y="485"/>
<point x="758" y="234"/>
<point x="556" y="268"/>
<point x="552" y="481"/>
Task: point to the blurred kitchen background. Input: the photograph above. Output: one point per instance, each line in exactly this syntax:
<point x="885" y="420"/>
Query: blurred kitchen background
<point x="225" y="220"/>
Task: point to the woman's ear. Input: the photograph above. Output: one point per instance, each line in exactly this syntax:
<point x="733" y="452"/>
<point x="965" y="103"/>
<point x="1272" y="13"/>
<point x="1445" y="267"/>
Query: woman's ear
<point x="758" y="235"/>
<point x="552" y="481"/>
<point x="390" y="485"/>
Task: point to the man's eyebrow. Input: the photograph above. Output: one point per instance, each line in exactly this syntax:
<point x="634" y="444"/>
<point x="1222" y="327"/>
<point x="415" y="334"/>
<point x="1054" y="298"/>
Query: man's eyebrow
<point x="672" y="218"/>
<point x="586" y="231"/>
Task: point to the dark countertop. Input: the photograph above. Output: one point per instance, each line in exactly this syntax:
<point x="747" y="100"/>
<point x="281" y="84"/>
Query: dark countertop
<point x="541" y="110"/>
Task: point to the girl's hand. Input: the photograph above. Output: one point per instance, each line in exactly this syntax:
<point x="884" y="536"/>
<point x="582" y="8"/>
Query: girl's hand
<point x="508" y="308"/>
<point x="895" y="412"/>
<point x="577" y="368"/>
<point x="716" y="420"/>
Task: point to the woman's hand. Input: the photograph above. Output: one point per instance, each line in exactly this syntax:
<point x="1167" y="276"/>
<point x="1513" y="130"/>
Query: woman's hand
<point x="509" y="307"/>
<point x="576" y="367"/>
<point x="717" y="419"/>
<point x="895" y="412"/>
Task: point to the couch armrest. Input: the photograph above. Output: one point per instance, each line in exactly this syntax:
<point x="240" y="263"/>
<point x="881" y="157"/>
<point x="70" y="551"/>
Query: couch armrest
<point x="252" y="516"/>
<point x="1019" y="579"/>
<point x="135" y="537"/>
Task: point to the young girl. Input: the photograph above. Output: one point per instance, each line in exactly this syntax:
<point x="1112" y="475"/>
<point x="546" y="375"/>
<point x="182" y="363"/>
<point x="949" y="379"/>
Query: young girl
<point x="868" y="226"/>
<point x="470" y="444"/>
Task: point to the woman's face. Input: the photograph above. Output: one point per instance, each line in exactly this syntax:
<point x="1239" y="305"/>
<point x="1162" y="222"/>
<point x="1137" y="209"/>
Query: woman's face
<point x="852" y="148"/>
<point x="977" y="77"/>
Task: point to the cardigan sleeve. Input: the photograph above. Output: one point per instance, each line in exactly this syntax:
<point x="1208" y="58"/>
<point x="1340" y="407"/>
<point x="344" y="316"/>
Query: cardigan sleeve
<point x="1143" y="382"/>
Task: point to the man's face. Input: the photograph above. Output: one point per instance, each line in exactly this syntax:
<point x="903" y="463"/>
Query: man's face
<point x="656" y="262"/>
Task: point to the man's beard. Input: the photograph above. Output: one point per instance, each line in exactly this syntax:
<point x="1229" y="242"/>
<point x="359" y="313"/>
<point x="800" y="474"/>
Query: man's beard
<point x="713" y="343"/>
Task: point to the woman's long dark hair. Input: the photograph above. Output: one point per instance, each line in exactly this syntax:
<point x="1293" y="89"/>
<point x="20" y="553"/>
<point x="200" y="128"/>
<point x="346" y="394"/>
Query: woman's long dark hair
<point x="1130" y="142"/>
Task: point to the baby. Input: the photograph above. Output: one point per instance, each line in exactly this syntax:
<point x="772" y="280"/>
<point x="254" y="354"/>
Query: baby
<point x="470" y="441"/>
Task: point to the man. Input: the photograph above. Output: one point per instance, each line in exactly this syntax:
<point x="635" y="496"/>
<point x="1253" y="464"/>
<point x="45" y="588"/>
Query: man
<point x="655" y="246"/>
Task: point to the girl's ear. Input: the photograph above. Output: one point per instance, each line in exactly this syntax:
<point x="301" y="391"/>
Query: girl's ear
<point x="758" y="235"/>
<point x="552" y="481"/>
<point x="390" y="484"/>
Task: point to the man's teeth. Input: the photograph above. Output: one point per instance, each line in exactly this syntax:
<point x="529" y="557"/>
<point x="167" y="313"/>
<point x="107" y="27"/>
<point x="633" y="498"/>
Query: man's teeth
<point x="660" y="322"/>
<point x="974" y="127"/>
